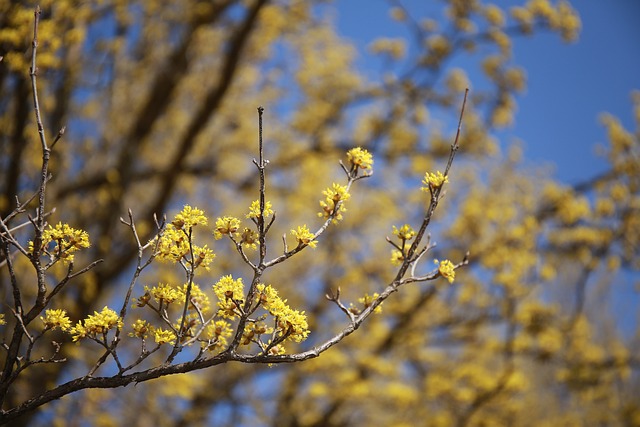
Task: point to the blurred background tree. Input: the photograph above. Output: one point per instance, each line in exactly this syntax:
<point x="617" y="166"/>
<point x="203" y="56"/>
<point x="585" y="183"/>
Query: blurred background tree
<point x="159" y="100"/>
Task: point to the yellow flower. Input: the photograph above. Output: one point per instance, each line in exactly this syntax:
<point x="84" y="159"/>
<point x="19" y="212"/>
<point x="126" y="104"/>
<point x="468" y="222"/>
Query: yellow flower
<point x="494" y="15"/>
<point x="56" y="319"/>
<point x="397" y="257"/>
<point x="226" y="225"/>
<point x="141" y="329"/>
<point x="230" y="292"/>
<point x="395" y="48"/>
<point x="204" y="257"/>
<point x="367" y="300"/>
<point x="360" y="157"/>
<point x="333" y="205"/>
<point x="162" y="336"/>
<point x="405" y="232"/>
<point x="304" y="236"/>
<point x="292" y="323"/>
<point x="446" y="269"/>
<point x="196" y="297"/>
<point x="66" y="240"/>
<point x="189" y="217"/>
<point x="217" y="333"/>
<point x="173" y="244"/>
<point x="434" y="180"/>
<point x="2" y="321"/>
<point x="254" y="210"/>
<point x="96" y="324"/>
<point x="163" y="293"/>
<point x="249" y="238"/>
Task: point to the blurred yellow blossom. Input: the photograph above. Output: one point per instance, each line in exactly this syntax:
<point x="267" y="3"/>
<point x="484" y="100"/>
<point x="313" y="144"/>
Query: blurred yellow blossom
<point x="395" y="48"/>
<point x="446" y="269"/>
<point x="360" y="157"/>
<point x="405" y="232"/>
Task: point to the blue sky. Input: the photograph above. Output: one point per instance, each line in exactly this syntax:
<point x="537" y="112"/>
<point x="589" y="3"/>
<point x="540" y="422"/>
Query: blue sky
<point x="569" y="85"/>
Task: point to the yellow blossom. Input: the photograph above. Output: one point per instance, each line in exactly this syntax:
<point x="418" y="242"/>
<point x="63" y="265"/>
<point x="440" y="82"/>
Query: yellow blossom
<point x="494" y="15"/>
<point x="65" y="239"/>
<point x="96" y="324"/>
<point x="217" y="333"/>
<point x="397" y="257"/>
<point x="189" y="217"/>
<point x="249" y="238"/>
<point x="226" y="225"/>
<point x="397" y="14"/>
<point x="434" y="180"/>
<point x="230" y="293"/>
<point x="163" y="293"/>
<point x="56" y="319"/>
<point x="197" y="297"/>
<point x="141" y="329"/>
<point x="333" y="205"/>
<point x="162" y="336"/>
<point x="291" y="323"/>
<point x="395" y="48"/>
<point x="304" y="236"/>
<point x="203" y="256"/>
<point x="367" y="300"/>
<point x="404" y="233"/>
<point x="173" y="244"/>
<point x="254" y="210"/>
<point x="2" y="320"/>
<point x="446" y="269"/>
<point x="360" y="158"/>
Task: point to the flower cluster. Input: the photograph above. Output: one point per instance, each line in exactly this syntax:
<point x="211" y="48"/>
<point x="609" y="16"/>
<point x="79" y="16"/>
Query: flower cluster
<point x="230" y="295"/>
<point x="366" y="301"/>
<point x="141" y="329"/>
<point x="397" y="257"/>
<point x="304" y="236"/>
<point x="188" y="218"/>
<point x="164" y="336"/>
<point x="175" y="245"/>
<point x="249" y="238"/>
<point x="226" y="225"/>
<point x="446" y="269"/>
<point x="253" y="331"/>
<point x="562" y="18"/>
<point x="96" y="324"/>
<point x="395" y="48"/>
<point x="404" y="233"/>
<point x="292" y="324"/>
<point x="254" y="209"/>
<point x="333" y="204"/>
<point x="56" y="319"/>
<point x="217" y="333"/>
<point x="65" y="240"/>
<point x="434" y="180"/>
